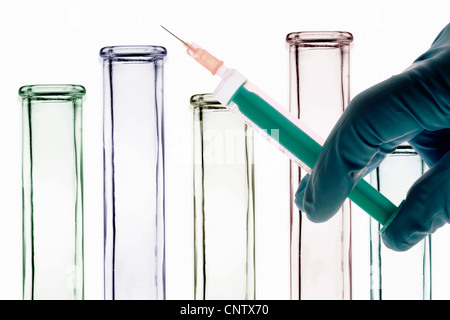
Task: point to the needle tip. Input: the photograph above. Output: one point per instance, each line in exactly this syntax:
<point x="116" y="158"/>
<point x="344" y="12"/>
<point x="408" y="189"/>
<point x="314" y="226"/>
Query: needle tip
<point x="184" y="42"/>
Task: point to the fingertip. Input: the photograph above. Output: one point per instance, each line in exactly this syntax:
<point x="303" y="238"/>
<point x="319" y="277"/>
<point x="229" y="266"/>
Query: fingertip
<point x="300" y="194"/>
<point x="401" y="234"/>
<point x="395" y="242"/>
<point x="315" y="212"/>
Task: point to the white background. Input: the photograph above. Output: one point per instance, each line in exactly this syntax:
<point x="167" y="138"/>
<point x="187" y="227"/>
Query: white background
<point x="59" y="41"/>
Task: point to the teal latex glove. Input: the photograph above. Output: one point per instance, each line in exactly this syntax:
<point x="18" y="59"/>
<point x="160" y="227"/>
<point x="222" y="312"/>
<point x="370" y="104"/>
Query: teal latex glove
<point x="413" y="106"/>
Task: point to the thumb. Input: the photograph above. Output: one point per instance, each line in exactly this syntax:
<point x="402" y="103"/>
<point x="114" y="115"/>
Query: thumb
<point x="426" y="208"/>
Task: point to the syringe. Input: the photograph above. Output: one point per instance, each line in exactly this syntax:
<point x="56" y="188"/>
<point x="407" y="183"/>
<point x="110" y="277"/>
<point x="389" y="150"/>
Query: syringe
<point x="281" y="128"/>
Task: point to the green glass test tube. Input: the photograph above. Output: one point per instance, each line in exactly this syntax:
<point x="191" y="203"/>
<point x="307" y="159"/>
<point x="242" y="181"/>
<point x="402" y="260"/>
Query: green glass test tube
<point x="399" y="275"/>
<point x="52" y="191"/>
<point x="224" y="203"/>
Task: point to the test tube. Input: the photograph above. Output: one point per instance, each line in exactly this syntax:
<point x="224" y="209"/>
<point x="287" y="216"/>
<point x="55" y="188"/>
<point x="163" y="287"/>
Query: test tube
<point x="398" y="275"/>
<point x="224" y="208"/>
<point x="52" y="192"/>
<point x="134" y="256"/>
<point x="319" y="92"/>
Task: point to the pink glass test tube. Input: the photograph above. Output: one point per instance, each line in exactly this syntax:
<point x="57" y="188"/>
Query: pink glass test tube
<point x="319" y="92"/>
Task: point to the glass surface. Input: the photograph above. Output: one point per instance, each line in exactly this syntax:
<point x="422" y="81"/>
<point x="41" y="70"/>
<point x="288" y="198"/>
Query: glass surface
<point x="224" y="210"/>
<point x="398" y="275"/>
<point x="52" y="191"/>
<point x="319" y="92"/>
<point x="134" y="172"/>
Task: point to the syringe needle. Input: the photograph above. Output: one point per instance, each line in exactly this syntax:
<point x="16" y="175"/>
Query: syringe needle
<point x="184" y="42"/>
<point x="214" y="65"/>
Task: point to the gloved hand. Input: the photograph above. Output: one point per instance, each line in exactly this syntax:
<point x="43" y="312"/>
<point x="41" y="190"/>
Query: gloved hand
<point x="413" y="106"/>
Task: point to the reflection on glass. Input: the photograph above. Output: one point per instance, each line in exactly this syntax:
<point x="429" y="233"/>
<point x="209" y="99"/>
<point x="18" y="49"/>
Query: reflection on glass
<point x="224" y="212"/>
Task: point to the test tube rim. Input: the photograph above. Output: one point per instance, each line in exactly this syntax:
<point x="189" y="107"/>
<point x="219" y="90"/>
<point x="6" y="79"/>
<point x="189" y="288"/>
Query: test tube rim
<point x="205" y="101"/>
<point x="52" y="91"/>
<point x="319" y="38"/>
<point x="133" y="52"/>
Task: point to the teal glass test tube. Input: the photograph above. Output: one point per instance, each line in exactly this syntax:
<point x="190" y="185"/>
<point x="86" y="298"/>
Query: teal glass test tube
<point x="52" y="191"/>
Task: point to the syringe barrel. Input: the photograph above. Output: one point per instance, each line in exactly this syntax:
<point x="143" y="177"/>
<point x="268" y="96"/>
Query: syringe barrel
<point x="268" y="115"/>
